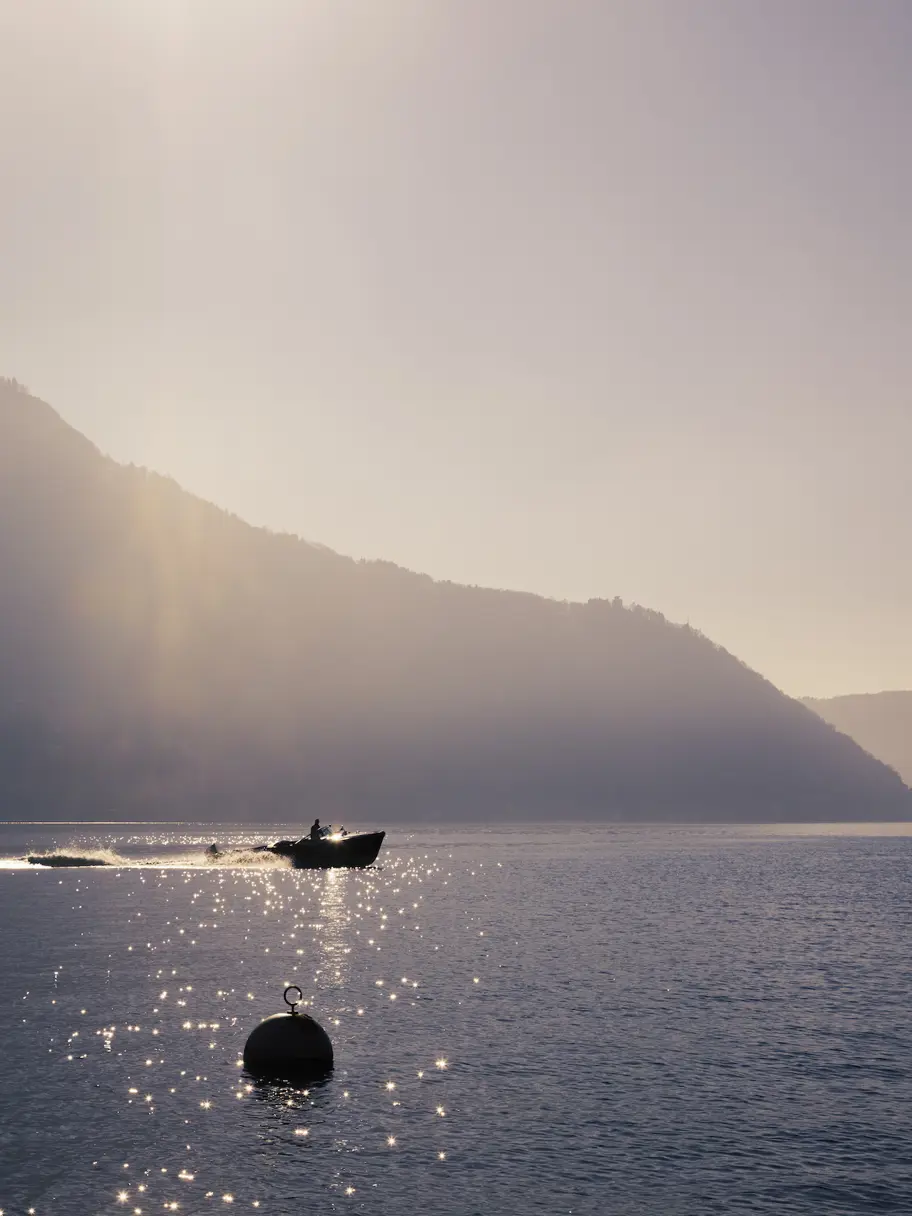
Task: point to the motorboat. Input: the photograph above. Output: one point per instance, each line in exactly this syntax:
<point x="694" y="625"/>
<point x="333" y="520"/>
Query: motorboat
<point x="330" y="851"/>
<point x="333" y="850"/>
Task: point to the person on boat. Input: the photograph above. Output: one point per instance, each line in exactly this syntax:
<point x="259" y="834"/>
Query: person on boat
<point x="316" y="832"/>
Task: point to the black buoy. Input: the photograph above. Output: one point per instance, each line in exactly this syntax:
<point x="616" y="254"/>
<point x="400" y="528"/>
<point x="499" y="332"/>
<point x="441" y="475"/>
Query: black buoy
<point x="289" y="1045"/>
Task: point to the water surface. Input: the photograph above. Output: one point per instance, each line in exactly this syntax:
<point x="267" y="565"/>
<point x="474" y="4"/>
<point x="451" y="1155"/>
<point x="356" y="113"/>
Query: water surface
<point x="619" y="1020"/>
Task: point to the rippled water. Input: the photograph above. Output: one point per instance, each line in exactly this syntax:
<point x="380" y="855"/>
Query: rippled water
<point x="593" y="1021"/>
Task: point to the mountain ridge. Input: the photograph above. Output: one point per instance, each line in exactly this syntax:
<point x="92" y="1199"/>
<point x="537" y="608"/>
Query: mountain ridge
<point x="159" y="655"/>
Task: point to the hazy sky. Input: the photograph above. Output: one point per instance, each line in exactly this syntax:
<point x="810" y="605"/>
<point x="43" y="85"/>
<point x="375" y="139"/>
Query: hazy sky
<point x="585" y="297"/>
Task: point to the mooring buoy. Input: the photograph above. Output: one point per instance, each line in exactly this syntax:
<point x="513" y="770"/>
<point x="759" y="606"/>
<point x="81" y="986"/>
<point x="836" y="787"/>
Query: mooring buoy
<point x="288" y="1045"/>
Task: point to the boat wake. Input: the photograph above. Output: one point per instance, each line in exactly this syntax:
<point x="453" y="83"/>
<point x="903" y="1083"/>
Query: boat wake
<point x="109" y="858"/>
<point x="74" y="857"/>
<point x="246" y="857"/>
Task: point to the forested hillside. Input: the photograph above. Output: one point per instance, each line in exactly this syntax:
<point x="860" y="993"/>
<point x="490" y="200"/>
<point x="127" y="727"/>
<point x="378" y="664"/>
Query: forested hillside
<point x="160" y="658"/>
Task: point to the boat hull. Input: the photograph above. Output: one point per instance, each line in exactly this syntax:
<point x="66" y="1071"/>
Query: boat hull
<point x="351" y="852"/>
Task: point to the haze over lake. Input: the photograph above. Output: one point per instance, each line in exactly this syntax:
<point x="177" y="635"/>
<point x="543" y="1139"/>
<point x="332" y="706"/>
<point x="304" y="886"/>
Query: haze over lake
<point x="165" y="660"/>
<point x="604" y="302"/>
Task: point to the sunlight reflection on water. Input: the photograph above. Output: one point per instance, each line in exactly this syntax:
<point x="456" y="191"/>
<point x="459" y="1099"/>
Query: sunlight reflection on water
<point x="600" y="1020"/>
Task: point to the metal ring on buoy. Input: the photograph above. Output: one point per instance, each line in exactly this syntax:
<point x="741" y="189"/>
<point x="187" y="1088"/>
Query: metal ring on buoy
<point x="289" y="1047"/>
<point x="293" y="1004"/>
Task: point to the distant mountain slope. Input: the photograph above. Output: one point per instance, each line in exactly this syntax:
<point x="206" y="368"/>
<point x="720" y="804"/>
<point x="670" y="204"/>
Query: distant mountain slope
<point x="881" y="722"/>
<point x="160" y="658"/>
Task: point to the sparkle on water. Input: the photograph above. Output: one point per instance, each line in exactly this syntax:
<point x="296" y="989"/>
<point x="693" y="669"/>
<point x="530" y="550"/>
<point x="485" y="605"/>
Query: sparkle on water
<point x="624" y="1020"/>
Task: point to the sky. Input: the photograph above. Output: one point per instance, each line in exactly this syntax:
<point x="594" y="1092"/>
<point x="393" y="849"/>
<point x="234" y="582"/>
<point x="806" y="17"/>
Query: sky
<point x="580" y="297"/>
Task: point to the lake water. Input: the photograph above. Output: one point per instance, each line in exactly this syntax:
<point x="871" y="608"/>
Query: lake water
<point x="620" y="1020"/>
